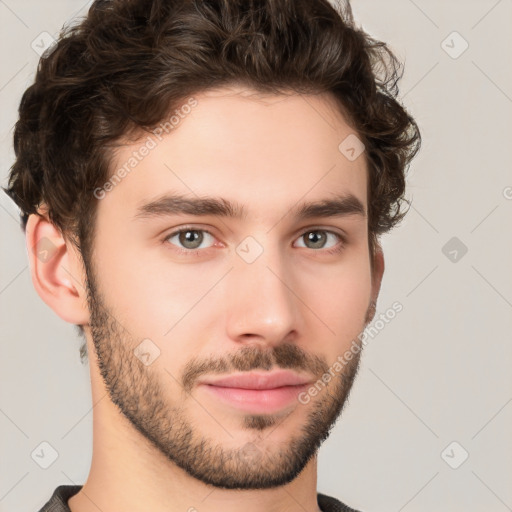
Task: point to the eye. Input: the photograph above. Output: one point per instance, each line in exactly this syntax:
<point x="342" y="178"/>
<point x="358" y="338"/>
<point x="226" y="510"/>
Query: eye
<point x="317" y="238"/>
<point x="189" y="239"/>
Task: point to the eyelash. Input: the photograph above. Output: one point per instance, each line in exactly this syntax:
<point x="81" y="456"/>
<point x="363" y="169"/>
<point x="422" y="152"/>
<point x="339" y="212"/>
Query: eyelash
<point x="196" y="252"/>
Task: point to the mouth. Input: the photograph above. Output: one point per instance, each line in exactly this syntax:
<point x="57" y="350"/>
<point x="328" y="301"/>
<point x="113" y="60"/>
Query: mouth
<point x="258" y="392"/>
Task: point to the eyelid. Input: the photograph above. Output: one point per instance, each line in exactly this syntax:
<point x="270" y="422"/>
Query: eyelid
<point x="182" y="229"/>
<point x="328" y="229"/>
<point x="306" y="229"/>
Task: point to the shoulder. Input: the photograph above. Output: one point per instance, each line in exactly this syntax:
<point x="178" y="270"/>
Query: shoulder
<point x="330" y="504"/>
<point x="59" y="499"/>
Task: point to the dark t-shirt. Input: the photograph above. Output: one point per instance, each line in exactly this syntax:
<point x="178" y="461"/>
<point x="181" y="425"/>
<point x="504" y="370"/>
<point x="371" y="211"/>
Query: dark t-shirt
<point x="59" y="501"/>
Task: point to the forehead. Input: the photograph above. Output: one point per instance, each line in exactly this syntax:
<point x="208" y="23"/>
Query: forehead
<point x="264" y="151"/>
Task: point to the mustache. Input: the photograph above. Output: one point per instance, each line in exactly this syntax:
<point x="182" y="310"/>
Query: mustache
<point x="248" y="358"/>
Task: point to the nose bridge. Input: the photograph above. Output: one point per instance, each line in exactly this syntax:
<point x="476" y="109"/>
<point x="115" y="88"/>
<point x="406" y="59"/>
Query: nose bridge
<point x="260" y="300"/>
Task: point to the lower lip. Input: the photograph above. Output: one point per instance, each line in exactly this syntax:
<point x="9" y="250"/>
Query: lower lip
<point x="257" y="400"/>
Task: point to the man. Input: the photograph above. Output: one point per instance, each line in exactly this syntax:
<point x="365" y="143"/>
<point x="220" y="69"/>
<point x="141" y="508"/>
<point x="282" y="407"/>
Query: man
<point x="203" y="185"/>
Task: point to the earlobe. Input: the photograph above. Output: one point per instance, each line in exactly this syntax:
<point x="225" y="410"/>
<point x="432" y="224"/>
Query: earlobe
<point x="56" y="270"/>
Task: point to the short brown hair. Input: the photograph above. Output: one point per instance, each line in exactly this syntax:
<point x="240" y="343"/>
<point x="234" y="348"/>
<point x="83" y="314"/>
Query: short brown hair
<point x="129" y="63"/>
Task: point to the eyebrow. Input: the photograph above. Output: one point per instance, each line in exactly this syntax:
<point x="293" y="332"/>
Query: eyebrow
<point x="176" y="204"/>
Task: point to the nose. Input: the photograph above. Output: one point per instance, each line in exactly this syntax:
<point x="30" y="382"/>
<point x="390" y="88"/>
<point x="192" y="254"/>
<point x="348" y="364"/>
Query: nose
<point x="261" y="304"/>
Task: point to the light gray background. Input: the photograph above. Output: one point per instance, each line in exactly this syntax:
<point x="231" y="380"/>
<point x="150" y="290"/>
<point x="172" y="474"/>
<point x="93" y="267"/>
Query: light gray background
<point x="439" y="372"/>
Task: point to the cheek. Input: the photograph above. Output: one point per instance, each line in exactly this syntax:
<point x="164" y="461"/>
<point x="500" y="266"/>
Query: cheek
<point x="340" y="298"/>
<point x="150" y="304"/>
<point x="133" y="288"/>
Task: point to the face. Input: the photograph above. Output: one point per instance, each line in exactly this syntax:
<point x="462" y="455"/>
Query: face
<point x="259" y="269"/>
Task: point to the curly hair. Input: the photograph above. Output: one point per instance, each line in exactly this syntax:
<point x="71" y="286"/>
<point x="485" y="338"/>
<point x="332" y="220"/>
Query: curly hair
<point x="128" y="63"/>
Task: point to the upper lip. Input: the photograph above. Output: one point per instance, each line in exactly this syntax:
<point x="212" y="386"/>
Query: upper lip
<point x="264" y="380"/>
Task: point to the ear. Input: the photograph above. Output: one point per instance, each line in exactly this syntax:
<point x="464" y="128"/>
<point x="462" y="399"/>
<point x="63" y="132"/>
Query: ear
<point x="57" y="270"/>
<point x="378" y="272"/>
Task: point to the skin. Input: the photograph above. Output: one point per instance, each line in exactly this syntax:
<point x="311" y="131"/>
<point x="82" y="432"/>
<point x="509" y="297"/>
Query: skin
<point x="160" y="440"/>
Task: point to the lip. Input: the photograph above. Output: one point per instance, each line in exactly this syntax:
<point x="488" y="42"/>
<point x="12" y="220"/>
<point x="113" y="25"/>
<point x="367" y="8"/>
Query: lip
<point x="260" y="380"/>
<point x="261" y="393"/>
